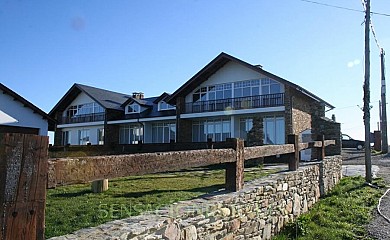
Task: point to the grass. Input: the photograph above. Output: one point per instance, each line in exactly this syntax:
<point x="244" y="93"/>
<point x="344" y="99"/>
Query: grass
<point x="342" y="214"/>
<point x="70" y="208"/>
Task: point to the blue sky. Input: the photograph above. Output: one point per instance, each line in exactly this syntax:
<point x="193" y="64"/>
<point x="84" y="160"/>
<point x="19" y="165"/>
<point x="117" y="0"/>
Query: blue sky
<point x="155" y="46"/>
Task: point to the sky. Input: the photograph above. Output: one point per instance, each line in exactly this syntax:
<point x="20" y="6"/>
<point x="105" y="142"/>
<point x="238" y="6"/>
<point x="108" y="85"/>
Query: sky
<point x="154" y="46"/>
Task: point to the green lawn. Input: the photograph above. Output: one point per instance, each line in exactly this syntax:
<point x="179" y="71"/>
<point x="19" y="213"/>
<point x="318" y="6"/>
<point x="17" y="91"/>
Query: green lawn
<point x="342" y="214"/>
<point x="75" y="207"/>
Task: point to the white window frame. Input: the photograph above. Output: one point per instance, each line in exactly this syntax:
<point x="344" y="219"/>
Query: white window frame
<point x="135" y="133"/>
<point x="171" y="126"/>
<point x="254" y="85"/>
<point x="278" y="135"/>
<point x="203" y="127"/>
<point x="84" y="136"/>
<point x="163" y="106"/>
<point x="132" y="107"/>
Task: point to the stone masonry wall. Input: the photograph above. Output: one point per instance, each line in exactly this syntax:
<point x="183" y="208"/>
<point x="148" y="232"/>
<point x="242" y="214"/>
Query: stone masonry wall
<point x="259" y="211"/>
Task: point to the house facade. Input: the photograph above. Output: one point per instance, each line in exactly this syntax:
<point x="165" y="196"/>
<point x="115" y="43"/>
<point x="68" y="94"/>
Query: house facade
<point x="17" y="115"/>
<point x="228" y="98"/>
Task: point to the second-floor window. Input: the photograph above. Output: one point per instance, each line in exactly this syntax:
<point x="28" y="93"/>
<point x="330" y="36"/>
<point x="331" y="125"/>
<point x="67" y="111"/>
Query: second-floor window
<point x="237" y="89"/>
<point x="165" y="106"/>
<point x="84" y="109"/>
<point x="133" y="108"/>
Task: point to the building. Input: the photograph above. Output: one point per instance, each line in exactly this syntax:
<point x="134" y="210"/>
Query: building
<point x="17" y="115"/>
<point x="227" y="98"/>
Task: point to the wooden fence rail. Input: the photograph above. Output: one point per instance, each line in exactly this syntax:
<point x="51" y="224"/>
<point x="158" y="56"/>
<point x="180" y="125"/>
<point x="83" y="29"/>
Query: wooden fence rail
<point x="85" y="169"/>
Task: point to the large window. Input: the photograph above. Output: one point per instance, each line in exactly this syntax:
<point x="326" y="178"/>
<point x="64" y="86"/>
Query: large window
<point x="84" y="137"/>
<point x="237" y="89"/>
<point x="246" y="125"/>
<point x="217" y="129"/>
<point x="130" y="134"/>
<point x="274" y="132"/>
<point x="83" y="109"/>
<point x="163" y="132"/>
<point x="247" y="88"/>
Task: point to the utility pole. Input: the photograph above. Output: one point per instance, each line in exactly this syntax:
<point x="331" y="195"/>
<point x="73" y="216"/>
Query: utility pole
<point x="385" y="145"/>
<point x="366" y="97"/>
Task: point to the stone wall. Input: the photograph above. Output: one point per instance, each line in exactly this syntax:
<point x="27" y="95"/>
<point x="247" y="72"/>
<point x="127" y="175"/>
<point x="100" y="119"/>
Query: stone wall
<point x="259" y="211"/>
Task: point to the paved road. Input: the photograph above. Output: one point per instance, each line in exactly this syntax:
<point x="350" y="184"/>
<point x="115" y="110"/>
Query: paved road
<point x="353" y="164"/>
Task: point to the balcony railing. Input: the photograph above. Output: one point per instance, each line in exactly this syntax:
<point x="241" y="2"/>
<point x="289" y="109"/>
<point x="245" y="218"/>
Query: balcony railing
<point x="259" y="101"/>
<point x="94" y="117"/>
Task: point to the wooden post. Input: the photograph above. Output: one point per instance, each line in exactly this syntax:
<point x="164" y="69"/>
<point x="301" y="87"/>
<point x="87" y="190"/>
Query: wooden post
<point x="321" y="151"/>
<point x="293" y="162"/>
<point x="99" y="186"/>
<point x="23" y="175"/>
<point x="234" y="175"/>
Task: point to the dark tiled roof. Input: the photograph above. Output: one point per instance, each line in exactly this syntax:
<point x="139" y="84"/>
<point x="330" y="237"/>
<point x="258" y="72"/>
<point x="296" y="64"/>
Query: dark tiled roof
<point x="106" y="98"/>
<point x="28" y="104"/>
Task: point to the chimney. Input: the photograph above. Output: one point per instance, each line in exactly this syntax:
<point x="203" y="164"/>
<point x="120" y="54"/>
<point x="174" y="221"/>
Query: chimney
<point x="334" y="118"/>
<point x="138" y="95"/>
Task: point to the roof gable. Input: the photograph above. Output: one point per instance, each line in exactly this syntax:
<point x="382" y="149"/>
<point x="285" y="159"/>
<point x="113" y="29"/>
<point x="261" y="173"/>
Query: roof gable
<point x="217" y="63"/>
<point x="107" y="99"/>
<point x="28" y="104"/>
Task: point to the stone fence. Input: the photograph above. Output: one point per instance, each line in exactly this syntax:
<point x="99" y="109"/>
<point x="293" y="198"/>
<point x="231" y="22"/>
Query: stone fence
<point x="258" y="211"/>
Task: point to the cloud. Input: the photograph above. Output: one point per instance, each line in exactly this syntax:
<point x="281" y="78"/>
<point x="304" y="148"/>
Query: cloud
<point x="353" y="63"/>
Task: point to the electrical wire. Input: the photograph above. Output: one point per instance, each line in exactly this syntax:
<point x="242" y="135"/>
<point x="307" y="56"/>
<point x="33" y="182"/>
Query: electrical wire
<point x="344" y="8"/>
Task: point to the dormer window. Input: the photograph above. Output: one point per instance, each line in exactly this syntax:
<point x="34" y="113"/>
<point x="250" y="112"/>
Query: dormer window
<point x="133" y="108"/>
<point x="165" y="106"/>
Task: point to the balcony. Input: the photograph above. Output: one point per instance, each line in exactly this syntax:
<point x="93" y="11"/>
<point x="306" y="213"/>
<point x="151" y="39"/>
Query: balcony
<point x="259" y="101"/>
<point x="94" y="117"/>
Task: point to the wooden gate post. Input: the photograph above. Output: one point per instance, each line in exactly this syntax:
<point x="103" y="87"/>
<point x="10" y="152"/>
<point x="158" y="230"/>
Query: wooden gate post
<point x="293" y="161"/>
<point x="23" y="175"/>
<point x="234" y="175"/>
<point x="321" y="150"/>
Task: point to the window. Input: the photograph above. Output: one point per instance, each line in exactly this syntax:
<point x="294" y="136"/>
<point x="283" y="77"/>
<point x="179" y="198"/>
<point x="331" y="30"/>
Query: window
<point x="84" y="137"/>
<point x="133" y="108"/>
<point x="274" y="130"/>
<point x="130" y="134"/>
<point x="65" y="138"/>
<point x="100" y="136"/>
<point x="217" y="129"/>
<point x="269" y="86"/>
<point x="163" y="132"/>
<point x="246" y="125"/>
<point x="165" y="106"/>
<point x="83" y="109"/>
<point x="247" y="88"/>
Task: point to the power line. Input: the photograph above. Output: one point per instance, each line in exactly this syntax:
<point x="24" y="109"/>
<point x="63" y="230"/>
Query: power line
<point x="344" y="8"/>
